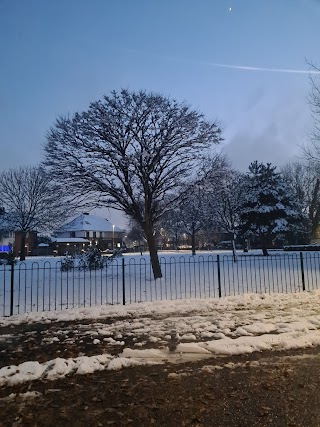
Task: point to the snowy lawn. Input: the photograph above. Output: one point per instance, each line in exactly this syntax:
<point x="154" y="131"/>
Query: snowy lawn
<point x="39" y="283"/>
<point x="170" y="331"/>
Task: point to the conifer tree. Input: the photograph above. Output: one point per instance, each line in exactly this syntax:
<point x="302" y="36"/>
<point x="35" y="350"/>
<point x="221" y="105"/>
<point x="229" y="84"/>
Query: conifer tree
<point x="269" y="211"/>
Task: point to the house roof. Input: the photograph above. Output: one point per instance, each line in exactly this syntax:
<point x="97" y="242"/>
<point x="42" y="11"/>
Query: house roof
<point x="86" y="222"/>
<point x="70" y="240"/>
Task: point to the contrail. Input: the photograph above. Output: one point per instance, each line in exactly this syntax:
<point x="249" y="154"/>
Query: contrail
<point x="271" y="70"/>
<point x="230" y="66"/>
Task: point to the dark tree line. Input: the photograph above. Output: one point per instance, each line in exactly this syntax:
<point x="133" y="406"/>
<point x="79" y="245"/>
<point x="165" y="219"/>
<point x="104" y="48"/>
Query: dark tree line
<point x="259" y="206"/>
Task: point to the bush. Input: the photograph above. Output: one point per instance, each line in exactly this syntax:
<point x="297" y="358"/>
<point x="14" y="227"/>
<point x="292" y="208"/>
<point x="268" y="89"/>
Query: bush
<point x="311" y="247"/>
<point x="8" y="258"/>
<point x="92" y="260"/>
<point x="67" y="263"/>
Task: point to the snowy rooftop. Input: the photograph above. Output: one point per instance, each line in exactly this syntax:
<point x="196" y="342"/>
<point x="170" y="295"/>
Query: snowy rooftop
<point x="70" y="240"/>
<point x="86" y="222"/>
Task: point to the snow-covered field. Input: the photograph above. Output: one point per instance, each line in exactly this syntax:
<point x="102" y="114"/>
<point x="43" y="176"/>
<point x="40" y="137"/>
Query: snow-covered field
<point x="39" y="283"/>
<point x="170" y="331"/>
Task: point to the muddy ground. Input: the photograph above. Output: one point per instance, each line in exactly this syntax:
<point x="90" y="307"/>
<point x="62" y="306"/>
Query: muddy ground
<point x="261" y="389"/>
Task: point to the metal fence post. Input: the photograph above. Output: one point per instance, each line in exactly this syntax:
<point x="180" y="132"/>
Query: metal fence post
<point x="11" y="288"/>
<point x="302" y="272"/>
<point x="123" y="283"/>
<point x="219" y="276"/>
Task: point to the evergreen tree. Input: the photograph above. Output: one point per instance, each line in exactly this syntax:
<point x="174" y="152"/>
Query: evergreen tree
<point x="269" y="211"/>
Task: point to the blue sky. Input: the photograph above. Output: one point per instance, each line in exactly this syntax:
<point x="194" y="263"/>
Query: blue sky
<point x="56" y="56"/>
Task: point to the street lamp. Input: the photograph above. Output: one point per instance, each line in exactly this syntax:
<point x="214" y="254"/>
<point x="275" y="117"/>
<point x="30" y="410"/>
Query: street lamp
<point x="112" y="236"/>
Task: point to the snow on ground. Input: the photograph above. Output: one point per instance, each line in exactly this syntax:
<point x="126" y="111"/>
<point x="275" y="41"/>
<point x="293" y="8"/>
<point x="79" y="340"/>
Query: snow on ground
<point x="40" y="284"/>
<point x="172" y="331"/>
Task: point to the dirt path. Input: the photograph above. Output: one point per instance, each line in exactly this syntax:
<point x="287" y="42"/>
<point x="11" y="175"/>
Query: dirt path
<point x="267" y="389"/>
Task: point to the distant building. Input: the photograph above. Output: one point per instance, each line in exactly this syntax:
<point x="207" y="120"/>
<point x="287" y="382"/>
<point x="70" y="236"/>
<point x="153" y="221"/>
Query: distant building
<point x="12" y="240"/>
<point x="87" y="230"/>
<point x="30" y="242"/>
<point x="6" y="240"/>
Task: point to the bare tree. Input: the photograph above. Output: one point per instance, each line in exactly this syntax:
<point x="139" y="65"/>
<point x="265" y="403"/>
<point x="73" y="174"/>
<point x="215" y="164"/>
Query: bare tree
<point x="194" y="213"/>
<point x="3" y="225"/>
<point x="31" y="202"/>
<point x="130" y="151"/>
<point x="303" y="178"/>
<point x="312" y="150"/>
<point x="226" y="204"/>
<point x="172" y="224"/>
<point x="136" y="234"/>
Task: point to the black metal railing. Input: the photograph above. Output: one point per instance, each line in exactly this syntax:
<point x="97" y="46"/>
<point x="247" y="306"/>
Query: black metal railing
<point x="38" y="285"/>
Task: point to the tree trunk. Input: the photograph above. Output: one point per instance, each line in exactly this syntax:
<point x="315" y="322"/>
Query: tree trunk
<point x="315" y="223"/>
<point x="22" y="246"/>
<point x="264" y="250"/>
<point x="234" y="251"/>
<point x="193" y="241"/>
<point x="314" y="211"/>
<point x="153" y="252"/>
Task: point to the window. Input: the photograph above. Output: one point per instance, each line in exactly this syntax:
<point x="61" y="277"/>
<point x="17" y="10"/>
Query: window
<point x="87" y="234"/>
<point x="94" y="234"/>
<point x="72" y="234"/>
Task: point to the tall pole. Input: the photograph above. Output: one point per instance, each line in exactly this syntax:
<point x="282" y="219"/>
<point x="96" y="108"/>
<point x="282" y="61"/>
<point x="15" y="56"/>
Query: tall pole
<point x="112" y="237"/>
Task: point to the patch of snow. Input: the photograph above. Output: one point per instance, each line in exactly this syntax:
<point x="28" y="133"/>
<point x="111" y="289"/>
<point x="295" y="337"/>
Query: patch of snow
<point x="259" y="328"/>
<point x="153" y="339"/>
<point x="122" y="362"/>
<point x="191" y="348"/>
<point x="56" y="368"/>
<point x="188" y="337"/>
<point x="242" y="331"/>
<point x="142" y="354"/>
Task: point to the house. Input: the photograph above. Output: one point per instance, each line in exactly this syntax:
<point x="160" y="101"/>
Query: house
<point x="70" y="245"/>
<point x="88" y="230"/>
<point x="6" y="241"/>
<point x="29" y="244"/>
<point x="12" y="240"/>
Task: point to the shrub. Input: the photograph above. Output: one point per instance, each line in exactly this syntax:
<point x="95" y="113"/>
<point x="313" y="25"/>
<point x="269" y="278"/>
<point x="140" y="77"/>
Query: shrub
<point x="8" y="258"/>
<point x="67" y="263"/>
<point x="92" y="260"/>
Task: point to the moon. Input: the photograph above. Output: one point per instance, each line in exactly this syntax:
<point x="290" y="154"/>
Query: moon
<point x="230" y="9"/>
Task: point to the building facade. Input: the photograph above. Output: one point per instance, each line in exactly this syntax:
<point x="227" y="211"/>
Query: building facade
<point x="89" y="230"/>
<point x="6" y="241"/>
<point x="11" y="240"/>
